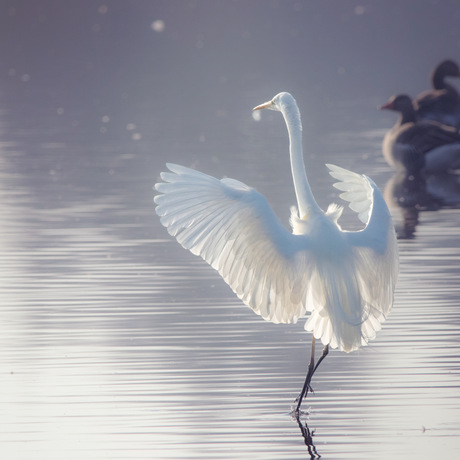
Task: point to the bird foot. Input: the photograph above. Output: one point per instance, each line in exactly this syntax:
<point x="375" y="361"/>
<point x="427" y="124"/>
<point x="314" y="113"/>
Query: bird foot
<point x="296" y="413"/>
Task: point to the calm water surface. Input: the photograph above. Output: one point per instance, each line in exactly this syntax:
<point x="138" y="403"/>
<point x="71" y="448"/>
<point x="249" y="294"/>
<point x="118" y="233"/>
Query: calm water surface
<point x="116" y="343"/>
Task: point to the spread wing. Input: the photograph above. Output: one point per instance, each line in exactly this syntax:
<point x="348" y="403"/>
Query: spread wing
<point x="232" y="227"/>
<point x="346" y="279"/>
<point x="375" y="250"/>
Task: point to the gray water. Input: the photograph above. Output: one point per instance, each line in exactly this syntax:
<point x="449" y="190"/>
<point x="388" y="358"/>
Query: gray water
<point x="117" y="343"/>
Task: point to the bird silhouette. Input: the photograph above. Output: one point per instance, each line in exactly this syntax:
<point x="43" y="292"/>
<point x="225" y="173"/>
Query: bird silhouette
<point x="345" y="279"/>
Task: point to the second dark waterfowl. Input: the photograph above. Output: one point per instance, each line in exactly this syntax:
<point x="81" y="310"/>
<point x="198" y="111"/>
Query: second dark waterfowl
<point x="442" y="103"/>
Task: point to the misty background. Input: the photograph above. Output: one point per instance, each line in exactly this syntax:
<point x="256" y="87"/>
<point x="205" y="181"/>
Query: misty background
<point x="195" y="68"/>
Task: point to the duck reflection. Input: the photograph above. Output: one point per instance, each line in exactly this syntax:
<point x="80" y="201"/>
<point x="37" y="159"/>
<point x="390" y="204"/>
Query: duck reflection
<point x="307" y="435"/>
<point x="409" y="193"/>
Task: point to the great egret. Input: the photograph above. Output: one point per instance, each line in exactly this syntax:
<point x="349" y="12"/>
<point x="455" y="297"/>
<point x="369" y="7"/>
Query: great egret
<point x="345" y="279"/>
<point x="442" y="103"/>
<point x="415" y="145"/>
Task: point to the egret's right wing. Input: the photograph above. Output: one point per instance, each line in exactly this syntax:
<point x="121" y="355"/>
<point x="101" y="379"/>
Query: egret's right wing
<point x="232" y="227"/>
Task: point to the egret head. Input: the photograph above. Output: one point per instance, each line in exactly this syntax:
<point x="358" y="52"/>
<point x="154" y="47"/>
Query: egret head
<point x="277" y="103"/>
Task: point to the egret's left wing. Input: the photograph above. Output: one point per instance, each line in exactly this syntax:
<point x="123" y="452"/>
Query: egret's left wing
<point x="365" y="198"/>
<point x="375" y="246"/>
<point x="232" y="227"/>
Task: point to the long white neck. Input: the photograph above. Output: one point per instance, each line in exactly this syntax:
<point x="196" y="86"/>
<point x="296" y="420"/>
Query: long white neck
<point x="305" y="200"/>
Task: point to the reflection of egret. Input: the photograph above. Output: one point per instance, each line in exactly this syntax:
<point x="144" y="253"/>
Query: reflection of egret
<point x="345" y="279"/>
<point x="307" y="435"/>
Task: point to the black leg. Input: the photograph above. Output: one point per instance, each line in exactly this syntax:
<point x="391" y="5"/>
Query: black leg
<point x="323" y="355"/>
<point x="311" y="370"/>
<point x="306" y="385"/>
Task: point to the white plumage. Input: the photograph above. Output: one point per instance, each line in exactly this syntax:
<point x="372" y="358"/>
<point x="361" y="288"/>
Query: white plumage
<point x="345" y="279"/>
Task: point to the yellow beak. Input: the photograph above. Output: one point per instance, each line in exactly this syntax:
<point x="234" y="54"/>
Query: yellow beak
<point x="265" y="105"/>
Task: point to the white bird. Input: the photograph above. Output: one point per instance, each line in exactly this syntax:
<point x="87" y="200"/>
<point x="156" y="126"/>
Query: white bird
<point x="346" y="280"/>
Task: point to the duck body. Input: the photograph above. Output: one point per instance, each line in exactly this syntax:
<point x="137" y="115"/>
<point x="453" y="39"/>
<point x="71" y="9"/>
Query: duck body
<point x="414" y="145"/>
